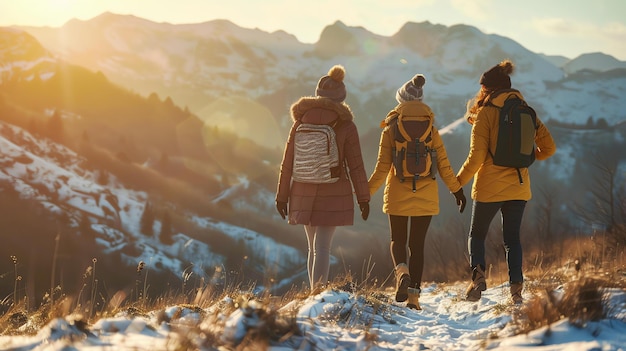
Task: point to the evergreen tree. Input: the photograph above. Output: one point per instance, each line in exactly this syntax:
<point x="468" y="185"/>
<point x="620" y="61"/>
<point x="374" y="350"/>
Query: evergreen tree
<point x="146" y="224"/>
<point x="102" y="177"/>
<point x="54" y="127"/>
<point x="164" y="161"/>
<point x="166" y="228"/>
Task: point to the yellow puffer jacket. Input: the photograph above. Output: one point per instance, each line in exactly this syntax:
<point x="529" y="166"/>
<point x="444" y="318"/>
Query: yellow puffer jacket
<point x="399" y="198"/>
<point x="494" y="183"/>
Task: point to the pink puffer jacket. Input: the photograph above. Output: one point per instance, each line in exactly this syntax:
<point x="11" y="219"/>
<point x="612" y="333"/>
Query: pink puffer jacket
<point x="324" y="204"/>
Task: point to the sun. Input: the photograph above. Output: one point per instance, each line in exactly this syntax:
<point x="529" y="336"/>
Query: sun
<point x="48" y="12"/>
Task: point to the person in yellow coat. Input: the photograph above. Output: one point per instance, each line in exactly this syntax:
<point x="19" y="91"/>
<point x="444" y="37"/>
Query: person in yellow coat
<point x="496" y="188"/>
<point x="410" y="202"/>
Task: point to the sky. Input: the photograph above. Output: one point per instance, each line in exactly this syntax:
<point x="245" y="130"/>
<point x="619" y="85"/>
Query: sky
<point x="444" y="323"/>
<point x="558" y="27"/>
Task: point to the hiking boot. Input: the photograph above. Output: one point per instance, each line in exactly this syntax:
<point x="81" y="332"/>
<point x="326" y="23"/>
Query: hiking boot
<point x="403" y="281"/>
<point x="414" y="297"/>
<point x="516" y="293"/>
<point x="477" y="286"/>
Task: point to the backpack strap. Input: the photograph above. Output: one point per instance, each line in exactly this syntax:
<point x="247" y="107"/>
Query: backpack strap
<point x="406" y="135"/>
<point x="433" y="162"/>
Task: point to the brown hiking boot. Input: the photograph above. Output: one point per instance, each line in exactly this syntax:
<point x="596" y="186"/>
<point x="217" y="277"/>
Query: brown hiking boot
<point x="516" y="293"/>
<point x="477" y="286"/>
<point x="403" y="281"/>
<point x="414" y="297"/>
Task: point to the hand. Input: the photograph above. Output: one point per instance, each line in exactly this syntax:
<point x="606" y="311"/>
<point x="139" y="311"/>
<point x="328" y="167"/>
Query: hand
<point x="282" y="208"/>
<point x="460" y="199"/>
<point x="365" y="210"/>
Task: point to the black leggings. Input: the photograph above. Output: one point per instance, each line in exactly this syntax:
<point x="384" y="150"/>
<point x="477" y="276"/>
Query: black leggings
<point x="401" y="252"/>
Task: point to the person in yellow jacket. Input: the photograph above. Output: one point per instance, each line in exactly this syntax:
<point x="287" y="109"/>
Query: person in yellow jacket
<point x="410" y="201"/>
<point x="496" y="188"/>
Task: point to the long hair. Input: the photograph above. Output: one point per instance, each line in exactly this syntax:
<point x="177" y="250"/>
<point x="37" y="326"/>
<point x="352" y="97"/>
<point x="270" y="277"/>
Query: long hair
<point x="494" y="79"/>
<point x="477" y="102"/>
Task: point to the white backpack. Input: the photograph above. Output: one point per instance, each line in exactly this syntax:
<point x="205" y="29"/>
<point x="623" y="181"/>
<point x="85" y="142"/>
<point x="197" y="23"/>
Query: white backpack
<point x="316" y="155"/>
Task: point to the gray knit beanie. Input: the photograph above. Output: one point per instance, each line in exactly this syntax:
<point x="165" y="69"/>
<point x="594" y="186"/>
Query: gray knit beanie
<point x="412" y="90"/>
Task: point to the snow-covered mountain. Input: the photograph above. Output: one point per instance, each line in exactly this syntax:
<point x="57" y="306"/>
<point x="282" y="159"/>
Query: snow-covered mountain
<point x="596" y="61"/>
<point x="199" y="65"/>
<point x="61" y="182"/>
<point x="22" y="55"/>
<point x="235" y="79"/>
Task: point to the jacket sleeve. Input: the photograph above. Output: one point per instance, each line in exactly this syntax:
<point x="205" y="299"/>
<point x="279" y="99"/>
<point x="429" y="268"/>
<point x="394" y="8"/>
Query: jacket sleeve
<point x="383" y="162"/>
<point x="354" y="159"/>
<point x="479" y="146"/>
<point x="286" y="168"/>
<point x="546" y="146"/>
<point x="443" y="163"/>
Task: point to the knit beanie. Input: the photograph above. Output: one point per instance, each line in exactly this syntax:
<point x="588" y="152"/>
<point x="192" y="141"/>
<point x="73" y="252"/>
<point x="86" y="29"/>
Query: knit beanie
<point x="497" y="77"/>
<point x="412" y="90"/>
<point x="331" y="85"/>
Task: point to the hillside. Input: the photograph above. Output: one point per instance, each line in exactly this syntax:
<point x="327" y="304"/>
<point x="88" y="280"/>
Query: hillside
<point x="128" y="151"/>
<point x="207" y="65"/>
<point x="582" y="314"/>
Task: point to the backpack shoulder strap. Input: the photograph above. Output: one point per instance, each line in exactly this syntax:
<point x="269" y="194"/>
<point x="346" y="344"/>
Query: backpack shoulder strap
<point x="390" y="119"/>
<point x="403" y="131"/>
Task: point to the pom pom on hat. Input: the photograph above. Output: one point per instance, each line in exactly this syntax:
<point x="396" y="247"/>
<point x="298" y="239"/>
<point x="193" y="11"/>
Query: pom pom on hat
<point x="497" y="77"/>
<point x="412" y="90"/>
<point x="331" y="85"/>
<point x="337" y="73"/>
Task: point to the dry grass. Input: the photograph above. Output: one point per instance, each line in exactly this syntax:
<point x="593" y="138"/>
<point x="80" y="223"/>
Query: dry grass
<point x="271" y="319"/>
<point x="581" y="300"/>
<point x="574" y="291"/>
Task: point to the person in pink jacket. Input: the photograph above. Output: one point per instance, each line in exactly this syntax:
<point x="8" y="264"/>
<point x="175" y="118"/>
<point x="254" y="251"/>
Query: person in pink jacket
<point x="323" y="207"/>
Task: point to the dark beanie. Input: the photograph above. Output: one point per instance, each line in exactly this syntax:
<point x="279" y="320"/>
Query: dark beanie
<point x="497" y="77"/>
<point x="331" y="85"/>
<point x="411" y="90"/>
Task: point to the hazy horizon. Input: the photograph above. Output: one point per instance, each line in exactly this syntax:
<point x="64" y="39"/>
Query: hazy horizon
<point x="551" y="28"/>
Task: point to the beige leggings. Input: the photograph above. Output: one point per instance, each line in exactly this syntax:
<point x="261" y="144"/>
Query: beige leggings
<point x="318" y="260"/>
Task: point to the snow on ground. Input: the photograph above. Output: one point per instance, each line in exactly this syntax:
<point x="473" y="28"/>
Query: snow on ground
<point x="338" y="320"/>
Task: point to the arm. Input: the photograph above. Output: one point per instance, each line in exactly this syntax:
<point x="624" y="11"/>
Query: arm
<point x="354" y="159"/>
<point x="286" y="168"/>
<point x="546" y="146"/>
<point x="479" y="147"/>
<point x="383" y="162"/>
<point x="443" y="163"/>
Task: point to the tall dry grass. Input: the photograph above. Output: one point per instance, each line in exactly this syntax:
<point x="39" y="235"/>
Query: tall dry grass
<point x="576" y="290"/>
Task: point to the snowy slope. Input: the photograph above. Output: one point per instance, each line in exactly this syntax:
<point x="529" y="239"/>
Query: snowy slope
<point x="198" y="63"/>
<point x="337" y="320"/>
<point x="55" y="176"/>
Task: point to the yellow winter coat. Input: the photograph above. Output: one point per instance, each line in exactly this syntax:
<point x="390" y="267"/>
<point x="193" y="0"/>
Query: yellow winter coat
<point x="495" y="183"/>
<point x="399" y="198"/>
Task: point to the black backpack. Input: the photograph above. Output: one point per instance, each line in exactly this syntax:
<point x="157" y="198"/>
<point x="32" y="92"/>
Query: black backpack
<point x="516" y="135"/>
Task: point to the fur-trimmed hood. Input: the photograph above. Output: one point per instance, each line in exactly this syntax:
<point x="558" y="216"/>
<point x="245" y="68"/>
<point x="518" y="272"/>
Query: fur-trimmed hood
<point x="300" y="107"/>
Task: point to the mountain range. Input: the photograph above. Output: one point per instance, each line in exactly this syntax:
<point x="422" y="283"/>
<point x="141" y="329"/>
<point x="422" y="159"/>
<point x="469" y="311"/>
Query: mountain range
<point x="117" y="121"/>
<point x="211" y="66"/>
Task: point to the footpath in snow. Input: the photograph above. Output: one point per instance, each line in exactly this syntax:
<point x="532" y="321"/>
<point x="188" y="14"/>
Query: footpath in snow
<point x="337" y="320"/>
